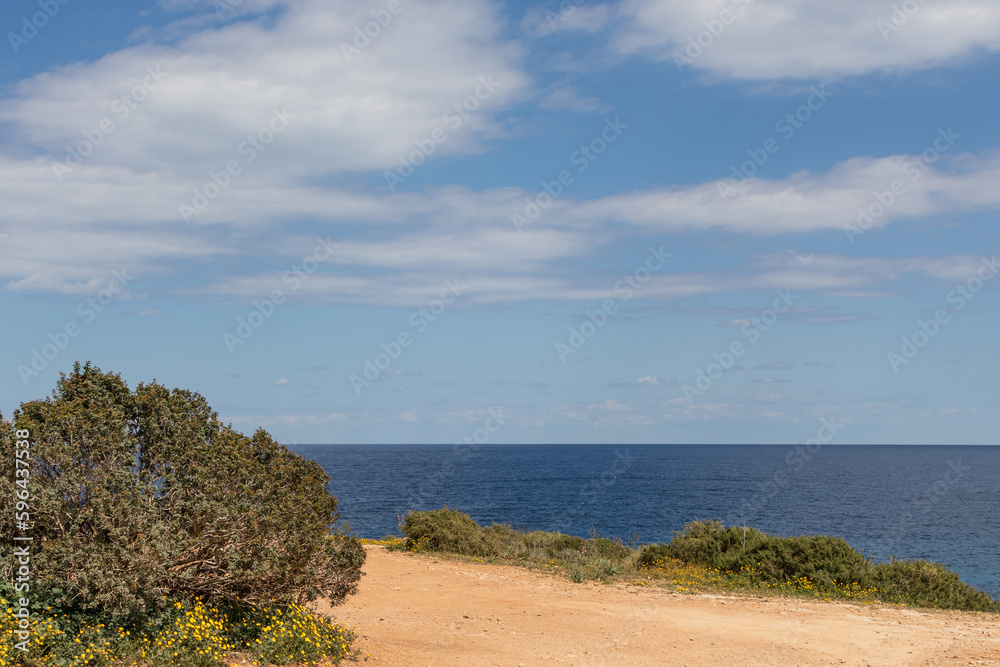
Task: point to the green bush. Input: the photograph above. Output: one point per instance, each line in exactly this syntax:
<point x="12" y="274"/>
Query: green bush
<point x="609" y="548"/>
<point x="821" y="558"/>
<point x="926" y="584"/>
<point x="452" y="531"/>
<point x="142" y="496"/>
<point x="826" y="562"/>
<point x="444" y="530"/>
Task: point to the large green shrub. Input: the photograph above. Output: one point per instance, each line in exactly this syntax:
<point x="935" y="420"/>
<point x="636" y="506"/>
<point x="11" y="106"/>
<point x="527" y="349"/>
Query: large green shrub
<point x="137" y="496"/>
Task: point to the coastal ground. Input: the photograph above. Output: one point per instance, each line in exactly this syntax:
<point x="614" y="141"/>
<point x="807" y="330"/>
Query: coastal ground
<point x="420" y="609"/>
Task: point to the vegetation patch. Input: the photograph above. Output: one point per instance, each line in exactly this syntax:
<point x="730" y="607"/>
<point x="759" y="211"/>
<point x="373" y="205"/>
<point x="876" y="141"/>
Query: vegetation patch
<point x="162" y="536"/>
<point x="705" y="556"/>
<point x="188" y="633"/>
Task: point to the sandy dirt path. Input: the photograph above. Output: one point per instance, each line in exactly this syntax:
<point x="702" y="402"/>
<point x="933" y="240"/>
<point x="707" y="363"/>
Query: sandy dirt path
<point x="427" y="610"/>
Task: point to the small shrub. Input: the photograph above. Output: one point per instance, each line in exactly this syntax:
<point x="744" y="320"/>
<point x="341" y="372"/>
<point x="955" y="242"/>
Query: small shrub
<point x="444" y="530"/>
<point x="926" y="584"/>
<point x="609" y="548"/>
<point x="452" y="531"/>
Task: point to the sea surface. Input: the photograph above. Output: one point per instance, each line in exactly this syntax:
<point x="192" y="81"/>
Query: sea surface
<point x="936" y="503"/>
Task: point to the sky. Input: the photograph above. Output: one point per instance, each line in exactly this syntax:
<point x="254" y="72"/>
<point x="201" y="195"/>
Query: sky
<point x="436" y="221"/>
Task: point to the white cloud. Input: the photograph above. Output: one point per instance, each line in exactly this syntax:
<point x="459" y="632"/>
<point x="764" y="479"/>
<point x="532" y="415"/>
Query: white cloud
<point x="808" y="39"/>
<point x="611" y="405"/>
<point x="570" y="16"/>
<point x="282" y="382"/>
<point x="806" y="202"/>
<point x="219" y="85"/>
<point x="567" y="98"/>
<point x="411" y="242"/>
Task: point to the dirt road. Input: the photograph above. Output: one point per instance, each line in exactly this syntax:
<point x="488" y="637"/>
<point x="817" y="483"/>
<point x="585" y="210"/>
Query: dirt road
<point x="426" y="610"/>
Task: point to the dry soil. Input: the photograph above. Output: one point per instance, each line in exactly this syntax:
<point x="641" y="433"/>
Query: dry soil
<point x="418" y="609"/>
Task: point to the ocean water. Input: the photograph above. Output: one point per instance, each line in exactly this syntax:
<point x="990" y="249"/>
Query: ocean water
<point x="936" y="503"/>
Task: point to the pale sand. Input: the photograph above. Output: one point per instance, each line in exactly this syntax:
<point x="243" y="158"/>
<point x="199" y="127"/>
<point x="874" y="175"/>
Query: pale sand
<point x="428" y="610"/>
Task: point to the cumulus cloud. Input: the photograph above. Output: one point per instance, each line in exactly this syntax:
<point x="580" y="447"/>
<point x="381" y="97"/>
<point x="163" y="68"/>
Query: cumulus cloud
<point x="807" y="39"/>
<point x="220" y="85"/>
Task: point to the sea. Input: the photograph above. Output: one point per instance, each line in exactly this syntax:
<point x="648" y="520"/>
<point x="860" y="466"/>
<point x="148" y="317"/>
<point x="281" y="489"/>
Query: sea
<point x="938" y="503"/>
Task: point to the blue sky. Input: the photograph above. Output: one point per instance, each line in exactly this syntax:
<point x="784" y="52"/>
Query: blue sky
<point x="645" y="221"/>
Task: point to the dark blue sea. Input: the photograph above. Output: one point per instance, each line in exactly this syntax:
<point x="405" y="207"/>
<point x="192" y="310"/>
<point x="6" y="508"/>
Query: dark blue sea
<point x="936" y="503"/>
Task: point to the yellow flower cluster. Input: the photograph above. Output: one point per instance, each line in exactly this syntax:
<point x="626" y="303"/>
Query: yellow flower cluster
<point x="390" y="542"/>
<point x="199" y="636"/>
<point x="89" y="645"/>
<point x="419" y="545"/>
<point x="688" y="577"/>
<point x="400" y="544"/>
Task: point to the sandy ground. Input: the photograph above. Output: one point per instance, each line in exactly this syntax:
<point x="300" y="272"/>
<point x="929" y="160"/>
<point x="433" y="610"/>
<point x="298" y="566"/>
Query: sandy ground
<point x="427" y="610"/>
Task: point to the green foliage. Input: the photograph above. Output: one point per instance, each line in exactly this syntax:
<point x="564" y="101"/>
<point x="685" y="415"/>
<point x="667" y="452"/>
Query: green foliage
<point x="821" y="558"/>
<point x="138" y="497"/>
<point x="609" y="549"/>
<point x="827" y="563"/>
<point x="444" y="530"/>
<point x="922" y="583"/>
<point x="452" y="531"/>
